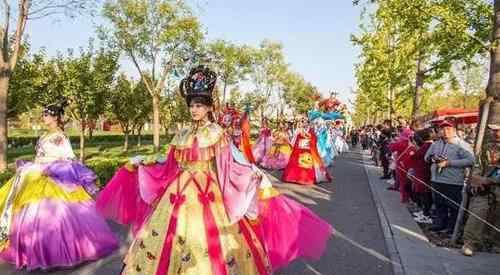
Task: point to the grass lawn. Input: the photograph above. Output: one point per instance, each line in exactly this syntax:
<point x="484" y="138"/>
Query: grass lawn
<point x="18" y="132"/>
<point x="92" y="152"/>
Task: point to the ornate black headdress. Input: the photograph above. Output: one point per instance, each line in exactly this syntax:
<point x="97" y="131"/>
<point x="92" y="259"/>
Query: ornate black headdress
<point x="55" y="109"/>
<point x="199" y="83"/>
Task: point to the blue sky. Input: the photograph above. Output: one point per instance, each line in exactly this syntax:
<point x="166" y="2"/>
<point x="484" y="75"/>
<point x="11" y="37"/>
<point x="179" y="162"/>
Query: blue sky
<point x="315" y="34"/>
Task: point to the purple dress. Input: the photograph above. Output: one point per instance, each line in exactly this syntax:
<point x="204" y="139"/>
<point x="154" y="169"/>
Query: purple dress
<point x="47" y="217"/>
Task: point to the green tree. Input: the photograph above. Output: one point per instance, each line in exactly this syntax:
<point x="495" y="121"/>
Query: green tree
<point x="159" y="37"/>
<point x="174" y="110"/>
<point x="468" y="81"/>
<point x="24" y="84"/>
<point x="269" y="69"/>
<point x="231" y="62"/>
<point x="430" y="34"/>
<point x="492" y="102"/>
<point x="298" y="93"/>
<point x="11" y="45"/>
<point x="84" y="81"/>
<point x="144" y="108"/>
<point x="129" y="105"/>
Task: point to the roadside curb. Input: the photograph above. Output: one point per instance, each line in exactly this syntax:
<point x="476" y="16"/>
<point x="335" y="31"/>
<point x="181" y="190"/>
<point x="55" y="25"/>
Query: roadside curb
<point x="397" y="266"/>
<point x="409" y="249"/>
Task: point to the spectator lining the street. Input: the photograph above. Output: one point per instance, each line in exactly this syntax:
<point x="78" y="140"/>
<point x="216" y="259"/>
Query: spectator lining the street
<point x="449" y="157"/>
<point x="404" y="150"/>
<point x="385" y="153"/>
<point x="421" y="175"/>
<point x="485" y="203"/>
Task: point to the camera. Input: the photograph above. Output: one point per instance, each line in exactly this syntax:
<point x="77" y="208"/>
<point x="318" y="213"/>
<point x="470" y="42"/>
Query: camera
<point x="438" y="158"/>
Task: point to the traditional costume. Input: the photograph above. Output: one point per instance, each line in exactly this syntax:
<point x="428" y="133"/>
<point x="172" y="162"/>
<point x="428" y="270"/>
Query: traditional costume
<point x="238" y="127"/>
<point x="339" y="143"/>
<point x="263" y="145"/>
<point x="305" y="165"/>
<point x="206" y="210"/>
<point x="48" y="219"/>
<point x="278" y="156"/>
<point x="324" y="143"/>
<point x="230" y="120"/>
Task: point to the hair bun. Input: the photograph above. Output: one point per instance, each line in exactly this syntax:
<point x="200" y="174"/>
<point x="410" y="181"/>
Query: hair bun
<point x="56" y="109"/>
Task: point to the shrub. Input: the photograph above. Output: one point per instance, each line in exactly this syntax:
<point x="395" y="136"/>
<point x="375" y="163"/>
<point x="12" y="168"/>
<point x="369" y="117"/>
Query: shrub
<point x="19" y="141"/>
<point x="5" y="176"/>
<point x="105" y="168"/>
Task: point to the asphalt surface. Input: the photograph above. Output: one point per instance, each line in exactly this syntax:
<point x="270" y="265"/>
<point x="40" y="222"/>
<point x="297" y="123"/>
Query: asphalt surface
<point x="358" y="246"/>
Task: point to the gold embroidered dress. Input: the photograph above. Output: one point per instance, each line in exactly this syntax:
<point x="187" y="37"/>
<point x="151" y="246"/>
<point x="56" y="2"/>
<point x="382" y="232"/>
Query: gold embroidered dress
<point x="189" y="231"/>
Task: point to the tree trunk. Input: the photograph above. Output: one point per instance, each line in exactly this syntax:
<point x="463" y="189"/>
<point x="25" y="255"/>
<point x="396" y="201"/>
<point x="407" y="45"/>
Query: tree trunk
<point x="367" y="120"/>
<point x="156" y="122"/>
<point x="82" y="140"/>
<point x="493" y="89"/>
<point x="376" y="118"/>
<point x="419" y="83"/>
<point x="261" y="113"/>
<point x="91" y="132"/>
<point x="391" y="103"/>
<point x="494" y="82"/>
<point x="125" y="144"/>
<point x="5" y="75"/>
<point x="466" y="88"/>
<point x="139" y="136"/>
<point x="224" y="94"/>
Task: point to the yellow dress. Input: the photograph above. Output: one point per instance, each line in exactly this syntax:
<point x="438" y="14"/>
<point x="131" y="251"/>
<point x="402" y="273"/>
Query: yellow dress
<point x="189" y="231"/>
<point x="47" y="218"/>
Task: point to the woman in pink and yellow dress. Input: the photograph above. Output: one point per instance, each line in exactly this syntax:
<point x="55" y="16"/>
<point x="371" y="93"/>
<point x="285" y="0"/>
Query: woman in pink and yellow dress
<point x="47" y="217"/>
<point x="264" y="142"/>
<point x="279" y="154"/>
<point x="208" y="210"/>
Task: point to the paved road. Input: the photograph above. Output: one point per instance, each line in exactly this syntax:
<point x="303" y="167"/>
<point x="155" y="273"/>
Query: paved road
<point x="347" y="203"/>
<point x="359" y="246"/>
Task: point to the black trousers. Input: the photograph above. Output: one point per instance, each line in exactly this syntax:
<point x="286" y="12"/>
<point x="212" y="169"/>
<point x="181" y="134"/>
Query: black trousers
<point x="446" y="210"/>
<point x="385" y="164"/>
<point x="424" y="201"/>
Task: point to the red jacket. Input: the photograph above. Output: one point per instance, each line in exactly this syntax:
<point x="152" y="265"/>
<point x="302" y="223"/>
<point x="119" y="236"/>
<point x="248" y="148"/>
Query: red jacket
<point x="422" y="169"/>
<point x="404" y="150"/>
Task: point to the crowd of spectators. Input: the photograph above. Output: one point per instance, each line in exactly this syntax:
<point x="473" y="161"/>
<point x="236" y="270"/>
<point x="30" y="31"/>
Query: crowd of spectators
<point x="429" y="167"/>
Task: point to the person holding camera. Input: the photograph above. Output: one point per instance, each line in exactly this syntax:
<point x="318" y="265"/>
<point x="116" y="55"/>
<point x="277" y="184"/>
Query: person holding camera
<point x="485" y="202"/>
<point x="449" y="157"/>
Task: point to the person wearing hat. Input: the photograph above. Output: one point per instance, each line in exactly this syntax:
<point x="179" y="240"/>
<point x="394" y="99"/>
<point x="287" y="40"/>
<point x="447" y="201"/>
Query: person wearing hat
<point x="485" y="202"/>
<point x="449" y="157"/>
<point x="207" y="209"/>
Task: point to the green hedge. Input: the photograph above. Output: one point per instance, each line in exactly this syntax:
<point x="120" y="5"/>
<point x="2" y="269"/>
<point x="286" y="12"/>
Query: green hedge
<point x="101" y="139"/>
<point x="105" y="168"/>
<point x="5" y="176"/>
